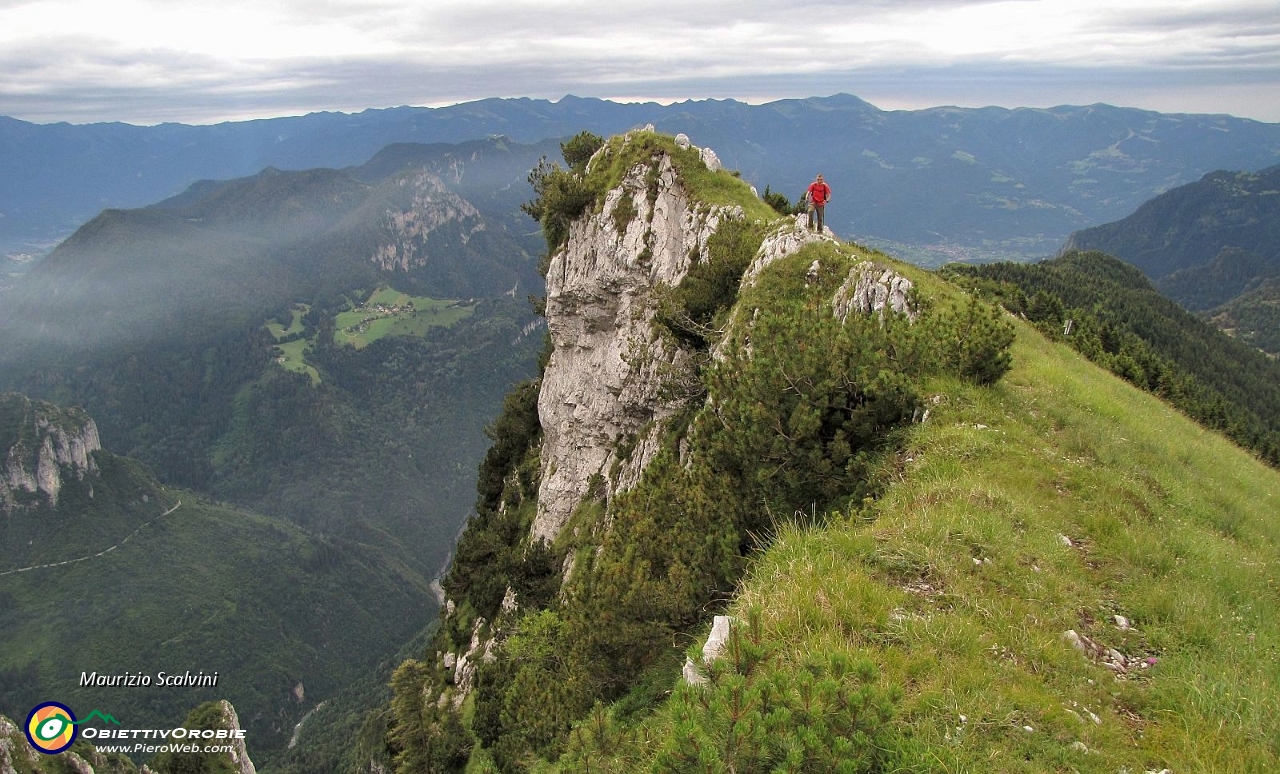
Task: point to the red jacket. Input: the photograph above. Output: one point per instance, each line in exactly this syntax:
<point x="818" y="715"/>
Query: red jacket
<point x="819" y="193"/>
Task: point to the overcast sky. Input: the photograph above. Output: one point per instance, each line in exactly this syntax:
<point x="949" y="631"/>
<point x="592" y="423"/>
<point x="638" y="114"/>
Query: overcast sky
<point x="197" y="61"/>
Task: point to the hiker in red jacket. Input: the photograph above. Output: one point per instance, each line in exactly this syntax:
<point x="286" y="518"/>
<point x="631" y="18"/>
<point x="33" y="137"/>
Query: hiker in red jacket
<point x="819" y="194"/>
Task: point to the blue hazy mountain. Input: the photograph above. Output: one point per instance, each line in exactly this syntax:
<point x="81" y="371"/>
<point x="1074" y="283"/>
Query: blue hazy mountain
<point x="936" y="183"/>
<point x="1213" y="246"/>
<point x="207" y="335"/>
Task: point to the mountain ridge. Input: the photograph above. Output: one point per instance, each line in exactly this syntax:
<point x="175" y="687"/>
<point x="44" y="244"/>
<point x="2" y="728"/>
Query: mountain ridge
<point x="998" y="181"/>
<point x="1210" y="245"/>
<point x="569" y="553"/>
<point x="860" y="525"/>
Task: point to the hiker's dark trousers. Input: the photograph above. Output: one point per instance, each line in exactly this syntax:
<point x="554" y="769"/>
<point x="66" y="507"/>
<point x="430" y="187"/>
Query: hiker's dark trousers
<point x="818" y="211"/>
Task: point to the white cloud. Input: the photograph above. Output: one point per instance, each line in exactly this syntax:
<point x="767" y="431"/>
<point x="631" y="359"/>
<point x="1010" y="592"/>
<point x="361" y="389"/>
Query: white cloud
<point x="148" y="60"/>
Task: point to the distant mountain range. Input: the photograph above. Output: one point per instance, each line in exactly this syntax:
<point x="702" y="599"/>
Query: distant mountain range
<point x="1213" y="246"/>
<point x="934" y="185"/>
<point x="443" y="218"/>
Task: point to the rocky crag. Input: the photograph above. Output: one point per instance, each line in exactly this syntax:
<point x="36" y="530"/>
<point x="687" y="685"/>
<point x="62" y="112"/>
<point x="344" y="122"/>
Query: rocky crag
<point x="607" y="364"/>
<point x="611" y="462"/>
<point x="42" y="446"/>
<point x="427" y="206"/>
<point x="605" y="401"/>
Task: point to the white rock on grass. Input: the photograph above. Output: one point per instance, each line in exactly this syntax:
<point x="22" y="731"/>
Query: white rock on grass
<point x="712" y="161"/>
<point x="721" y="626"/>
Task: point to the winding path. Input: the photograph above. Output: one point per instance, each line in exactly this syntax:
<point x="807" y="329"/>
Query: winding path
<point x="100" y="553"/>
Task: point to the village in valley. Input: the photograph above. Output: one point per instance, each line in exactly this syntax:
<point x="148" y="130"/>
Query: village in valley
<point x="378" y="312"/>
<point x="386" y="312"/>
<point x="389" y="312"/>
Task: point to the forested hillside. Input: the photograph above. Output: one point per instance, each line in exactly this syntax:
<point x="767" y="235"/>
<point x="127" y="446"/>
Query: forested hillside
<point x="1253" y="317"/>
<point x="230" y="254"/>
<point x="124" y="575"/>
<point x="1212" y="245"/>
<point x="313" y="358"/>
<point x="158" y="321"/>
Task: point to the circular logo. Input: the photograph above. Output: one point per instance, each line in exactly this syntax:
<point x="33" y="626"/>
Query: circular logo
<point x="51" y="727"/>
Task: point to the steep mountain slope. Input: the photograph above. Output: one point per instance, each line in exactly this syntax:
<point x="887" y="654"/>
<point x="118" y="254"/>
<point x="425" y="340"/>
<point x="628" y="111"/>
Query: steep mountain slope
<point x="1063" y="574"/>
<point x="947" y="182"/>
<point x="229" y="252"/>
<point x="160" y="321"/>
<point x="923" y="564"/>
<point x="1213" y="246"/>
<point x="103" y="570"/>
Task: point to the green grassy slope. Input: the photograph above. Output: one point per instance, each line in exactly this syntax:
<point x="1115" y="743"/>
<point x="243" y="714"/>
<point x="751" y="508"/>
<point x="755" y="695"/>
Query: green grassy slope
<point x="389" y="312"/>
<point x="1121" y="322"/>
<point x="1053" y="501"/>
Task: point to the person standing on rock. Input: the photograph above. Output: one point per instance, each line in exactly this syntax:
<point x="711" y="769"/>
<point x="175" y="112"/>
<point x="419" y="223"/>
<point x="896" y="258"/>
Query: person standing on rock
<point x="819" y="194"/>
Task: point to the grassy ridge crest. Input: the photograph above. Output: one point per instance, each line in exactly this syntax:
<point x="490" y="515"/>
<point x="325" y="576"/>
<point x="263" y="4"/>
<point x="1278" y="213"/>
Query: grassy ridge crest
<point x="930" y="567"/>
<point x="1053" y="501"/>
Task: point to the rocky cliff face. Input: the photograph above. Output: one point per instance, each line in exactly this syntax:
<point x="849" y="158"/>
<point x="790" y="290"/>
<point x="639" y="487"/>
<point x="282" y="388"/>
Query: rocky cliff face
<point x="239" y="756"/>
<point x="602" y="405"/>
<point x="42" y="446"/>
<point x="601" y="386"/>
<point x="429" y="207"/>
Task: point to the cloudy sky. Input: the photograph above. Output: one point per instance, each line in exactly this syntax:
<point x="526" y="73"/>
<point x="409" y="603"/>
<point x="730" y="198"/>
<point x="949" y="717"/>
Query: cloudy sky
<point x="196" y="61"/>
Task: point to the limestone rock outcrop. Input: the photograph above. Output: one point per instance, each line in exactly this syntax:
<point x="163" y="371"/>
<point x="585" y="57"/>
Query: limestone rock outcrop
<point x="464" y="666"/>
<point x="870" y="289"/>
<point x="721" y="626"/>
<point x="14" y="749"/>
<point x="239" y="754"/>
<point x="430" y="207"/>
<point x="784" y="241"/>
<point x="602" y="383"/>
<point x="42" y="446"/>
